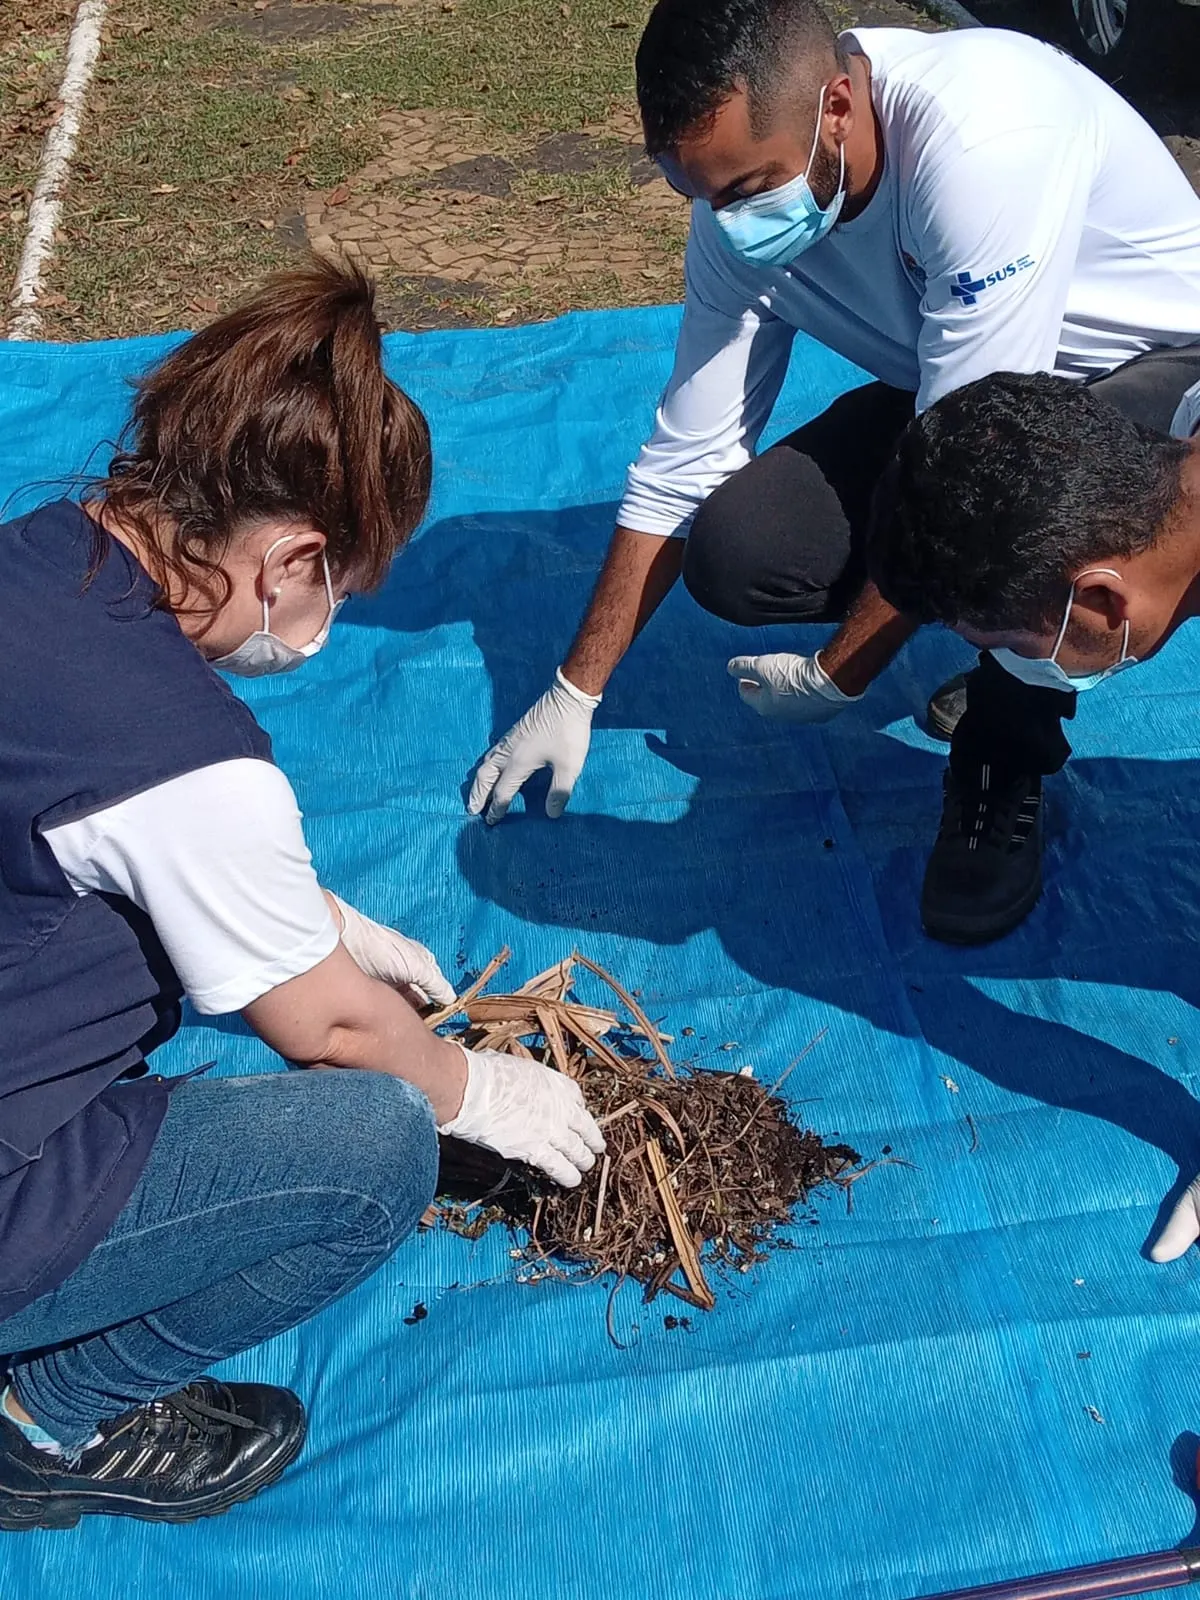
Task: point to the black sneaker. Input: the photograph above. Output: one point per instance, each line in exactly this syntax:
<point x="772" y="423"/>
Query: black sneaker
<point x="191" y="1454"/>
<point x="946" y="706"/>
<point x="985" y="873"/>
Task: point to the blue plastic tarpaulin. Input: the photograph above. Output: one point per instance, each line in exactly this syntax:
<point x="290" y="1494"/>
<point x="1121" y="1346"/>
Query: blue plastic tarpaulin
<point x="976" y="1372"/>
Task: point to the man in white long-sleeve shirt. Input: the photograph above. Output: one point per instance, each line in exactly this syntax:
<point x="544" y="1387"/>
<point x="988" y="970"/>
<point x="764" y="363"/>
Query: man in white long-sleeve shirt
<point x="936" y="208"/>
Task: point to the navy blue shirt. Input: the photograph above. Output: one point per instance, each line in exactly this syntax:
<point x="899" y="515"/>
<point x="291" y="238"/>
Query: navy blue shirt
<point x="104" y="698"/>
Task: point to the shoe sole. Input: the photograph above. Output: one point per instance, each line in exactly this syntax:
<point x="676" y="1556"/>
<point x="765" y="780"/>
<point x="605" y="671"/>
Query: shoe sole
<point x="967" y="930"/>
<point x="21" y="1513"/>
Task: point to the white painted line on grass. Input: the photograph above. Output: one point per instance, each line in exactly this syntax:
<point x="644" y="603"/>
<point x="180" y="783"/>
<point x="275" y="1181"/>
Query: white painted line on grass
<point x="57" y="152"/>
<point x="955" y="14"/>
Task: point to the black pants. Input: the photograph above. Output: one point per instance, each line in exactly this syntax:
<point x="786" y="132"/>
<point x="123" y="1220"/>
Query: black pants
<point x="784" y="540"/>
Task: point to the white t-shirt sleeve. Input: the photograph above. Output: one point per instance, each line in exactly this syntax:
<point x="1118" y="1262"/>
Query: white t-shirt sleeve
<point x="731" y="358"/>
<point x="999" y="229"/>
<point x="217" y="860"/>
<point x="1186" y="420"/>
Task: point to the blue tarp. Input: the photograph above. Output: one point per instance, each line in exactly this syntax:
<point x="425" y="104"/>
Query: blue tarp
<point x="977" y="1372"/>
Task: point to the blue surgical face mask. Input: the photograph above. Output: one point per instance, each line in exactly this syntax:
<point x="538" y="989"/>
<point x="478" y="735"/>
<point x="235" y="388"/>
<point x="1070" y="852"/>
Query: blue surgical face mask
<point x="1044" y="672"/>
<point x="773" y="228"/>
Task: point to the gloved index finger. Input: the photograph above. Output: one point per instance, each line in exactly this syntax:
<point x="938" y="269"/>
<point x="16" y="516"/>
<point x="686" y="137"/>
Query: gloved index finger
<point x="508" y="786"/>
<point x="569" y="1144"/>
<point x="484" y="782"/>
<point x="556" y="1166"/>
<point x="439" y="990"/>
<point x="744" y="667"/>
<point x="1181" y="1232"/>
<point x="588" y="1129"/>
<point x="563" y="777"/>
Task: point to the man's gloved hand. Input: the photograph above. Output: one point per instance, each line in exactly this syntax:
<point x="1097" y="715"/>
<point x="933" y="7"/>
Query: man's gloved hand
<point x="790" y="688"/>
<point x="1182" y="1229"/>
<point x="527" y="1112"/>
<point x="554" y="733"/>
<point x="387" y="955"/>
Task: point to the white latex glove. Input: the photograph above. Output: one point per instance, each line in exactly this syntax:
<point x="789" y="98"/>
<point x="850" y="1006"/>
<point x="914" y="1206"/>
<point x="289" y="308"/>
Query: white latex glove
<point x="387" y="955"/>
<point x="1182" y="1229"/>
<point x="791" y="688"/>
<point x="554" y="733"/>
<point x="527" y="1112"/>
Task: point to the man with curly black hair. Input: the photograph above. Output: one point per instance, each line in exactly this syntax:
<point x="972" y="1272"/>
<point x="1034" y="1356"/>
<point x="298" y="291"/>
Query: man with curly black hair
<point x="1054" y="532"/>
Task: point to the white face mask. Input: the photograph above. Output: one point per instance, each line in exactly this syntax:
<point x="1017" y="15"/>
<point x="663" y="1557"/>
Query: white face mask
<point x="1044" y="672"/>
<point x="264" y="652"/>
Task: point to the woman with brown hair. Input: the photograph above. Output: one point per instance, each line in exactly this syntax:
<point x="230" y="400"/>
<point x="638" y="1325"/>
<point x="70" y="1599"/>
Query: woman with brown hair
<point x="149" y="848"/>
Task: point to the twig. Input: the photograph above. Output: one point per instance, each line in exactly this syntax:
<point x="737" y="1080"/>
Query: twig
<point x="435" y="1018"/>
<point x="634" y="1010"/>
<point x="847" y="1180"/>
<point x="554" y="1038"/>
<point x="626" y="1110"/>
<point x="608" y="1315"/>
<point x="974" y="1135"/>
<point x="555" y="981"/>
<point x="680" y="1236"/>
<point x="686" y="1295"/>
<point x="605" y="1168"/>
<point x="659" y="1110"/>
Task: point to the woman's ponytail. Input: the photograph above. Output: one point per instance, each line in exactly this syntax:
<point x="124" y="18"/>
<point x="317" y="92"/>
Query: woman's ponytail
<point x="279" y="409"/>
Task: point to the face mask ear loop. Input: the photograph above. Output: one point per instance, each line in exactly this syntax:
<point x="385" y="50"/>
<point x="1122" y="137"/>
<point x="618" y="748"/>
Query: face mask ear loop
<point x="267" y="554"/>
<point x="1066" y="622"/>
<point x="812" y="154"/>
<point x="1092" y="572"/>
<point x="327" y="625"/>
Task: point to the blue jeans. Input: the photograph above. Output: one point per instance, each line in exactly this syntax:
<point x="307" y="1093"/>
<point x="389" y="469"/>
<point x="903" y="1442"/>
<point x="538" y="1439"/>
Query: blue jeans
<point x="263" y="1200"/>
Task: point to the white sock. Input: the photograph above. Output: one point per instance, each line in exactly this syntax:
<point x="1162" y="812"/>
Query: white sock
<point x="38" y="1437"/>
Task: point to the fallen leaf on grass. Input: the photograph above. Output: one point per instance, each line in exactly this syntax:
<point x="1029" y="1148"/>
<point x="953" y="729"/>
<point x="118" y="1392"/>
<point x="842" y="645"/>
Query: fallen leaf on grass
<point x="205" y="304"/>
<point x="338" y="196"/>
<point x="165" y="188"/>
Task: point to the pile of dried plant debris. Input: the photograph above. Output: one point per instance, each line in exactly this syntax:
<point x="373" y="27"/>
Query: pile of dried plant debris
<point x="702" y="1166"/>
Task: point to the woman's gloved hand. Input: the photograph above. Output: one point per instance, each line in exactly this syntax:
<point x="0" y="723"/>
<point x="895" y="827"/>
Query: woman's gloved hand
<point x="527" y="1112"/>
<point x="387" y="955"/>
<point x="1182" y="1229"/>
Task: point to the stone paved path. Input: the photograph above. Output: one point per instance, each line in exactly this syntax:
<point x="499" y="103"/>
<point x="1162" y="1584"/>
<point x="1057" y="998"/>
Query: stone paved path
<point x="449" y="220"/>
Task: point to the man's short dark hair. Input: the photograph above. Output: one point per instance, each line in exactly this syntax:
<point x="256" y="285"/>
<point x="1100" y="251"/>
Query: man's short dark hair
<point x="695" y="54"/>
<point x="1002" y="491"/>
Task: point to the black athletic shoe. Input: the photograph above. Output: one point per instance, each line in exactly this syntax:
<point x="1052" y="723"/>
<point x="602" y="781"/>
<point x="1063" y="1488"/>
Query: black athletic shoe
<point x="985" y="873"/>
<point x="192" y="1454"/>
<point x="946" y="706"/>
